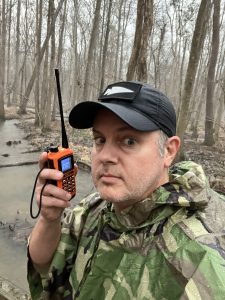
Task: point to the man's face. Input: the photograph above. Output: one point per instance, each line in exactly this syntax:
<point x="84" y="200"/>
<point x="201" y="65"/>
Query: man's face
<point x="126" y="163"/>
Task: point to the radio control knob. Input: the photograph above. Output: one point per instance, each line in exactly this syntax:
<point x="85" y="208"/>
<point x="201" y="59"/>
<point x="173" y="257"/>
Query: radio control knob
<point x="53" y="149"/>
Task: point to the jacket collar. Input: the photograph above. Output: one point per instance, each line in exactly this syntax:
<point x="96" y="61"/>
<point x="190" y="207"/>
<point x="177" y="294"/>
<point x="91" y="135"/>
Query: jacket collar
<point x="188" y="188"/>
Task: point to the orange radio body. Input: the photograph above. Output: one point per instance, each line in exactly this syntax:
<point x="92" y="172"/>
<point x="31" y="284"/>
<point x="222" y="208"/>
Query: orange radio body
<point x="61" y="159"/>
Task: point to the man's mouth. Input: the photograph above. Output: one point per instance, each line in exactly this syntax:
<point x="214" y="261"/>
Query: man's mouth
<point x="109" y="178"/>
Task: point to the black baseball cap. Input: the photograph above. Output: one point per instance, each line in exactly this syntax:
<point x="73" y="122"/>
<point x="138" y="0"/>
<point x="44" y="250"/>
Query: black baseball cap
<point x="139" y="105"/>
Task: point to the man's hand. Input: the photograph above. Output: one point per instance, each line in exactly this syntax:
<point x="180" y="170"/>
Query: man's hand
<point x="46" y="233"/>
<point x="54" y="199"/>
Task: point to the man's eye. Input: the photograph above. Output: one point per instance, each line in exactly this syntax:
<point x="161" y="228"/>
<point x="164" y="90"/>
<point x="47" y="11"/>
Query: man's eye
<point x="129" y="141"/>
<point x="99" y="140"/>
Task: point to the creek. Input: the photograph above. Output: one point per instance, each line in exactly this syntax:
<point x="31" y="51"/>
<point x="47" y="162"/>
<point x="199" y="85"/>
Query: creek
<point x="16" y="186"/>
<point x="14" y="148"/>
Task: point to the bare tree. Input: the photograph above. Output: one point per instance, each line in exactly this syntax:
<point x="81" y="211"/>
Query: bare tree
<point x="15" y="85"/>
<point x="23" y="103"/>
<point x="76" y="70"/>
<point x="105" y="47"/>
<point x="126" y="15"/>
<point x="38" y="50"/>
<point x="144" y="22"/>
<point x="8" y="52"/>
<point x="60" y="52"/>
<point x="50" y="92"/>
<point x="118" y="38"/>
<point x="137" y="42"/>
<point x="209" y="119"/>
<point x="27" y="42"/>
<point x="157" y="56"/>
<point x="91" y="48"/>
<point x="45" y="99"/>
<point x="2" y="61"/>
<point x="195" y="52"/>
<point x="220" y="91"/>
<point x="146" y="32"/>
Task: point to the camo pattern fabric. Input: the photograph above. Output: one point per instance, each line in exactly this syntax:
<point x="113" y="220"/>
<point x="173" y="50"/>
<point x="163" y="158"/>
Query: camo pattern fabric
<point x="169" y="246"/>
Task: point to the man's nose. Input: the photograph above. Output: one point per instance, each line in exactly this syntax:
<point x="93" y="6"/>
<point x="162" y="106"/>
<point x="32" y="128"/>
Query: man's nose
<point x="109" y="153"/>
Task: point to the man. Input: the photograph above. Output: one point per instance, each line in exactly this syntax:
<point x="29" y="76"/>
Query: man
<point x="150" y="232"/>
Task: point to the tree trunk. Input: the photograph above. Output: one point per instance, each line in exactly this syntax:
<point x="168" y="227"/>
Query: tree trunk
<point x="92" y="46"/>
<point x="101" y="41"/>
<point x="209" y="118"/>
<point x="38" y="50"/>
<point x="219" y="116"/>
<point x="196" y="48"/>
<point x="118" y="40"/>
<point x="47" y="120"/>
<point x="197" y="118"/>
<point x="137" y="42"/>
<point x="146" y="33"/>
<point x="15" y="87"/>
<point x="138" y="59"/>
<point x="45" y="77"/>
<point x="182" y="70"/>
<point x="126" y="16"/>
<point x="44" y="88"/>
<point x="105" y="47"/>
<point x="8" y="55"/>
<point x="2" y="61"/>
<point x="76" y="73"/>
<point x="23" y="103"/>
<point x="157" y="60"/>
<point x="60" y="53"/>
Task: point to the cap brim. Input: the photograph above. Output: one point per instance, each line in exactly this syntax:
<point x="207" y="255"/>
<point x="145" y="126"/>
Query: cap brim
<point x="83" y="114"/>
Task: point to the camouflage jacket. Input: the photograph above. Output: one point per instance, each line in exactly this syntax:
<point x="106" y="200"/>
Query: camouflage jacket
<point x="169" y="246"/>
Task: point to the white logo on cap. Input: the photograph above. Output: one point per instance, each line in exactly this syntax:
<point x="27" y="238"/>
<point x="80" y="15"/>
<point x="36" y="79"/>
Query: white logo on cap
<point x="117" y="90"/>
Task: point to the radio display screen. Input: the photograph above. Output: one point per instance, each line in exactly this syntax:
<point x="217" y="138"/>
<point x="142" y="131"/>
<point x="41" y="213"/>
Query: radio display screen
<point x="66" y="164"/>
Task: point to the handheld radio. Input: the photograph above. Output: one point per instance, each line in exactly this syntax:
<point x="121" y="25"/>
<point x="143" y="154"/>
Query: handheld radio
<point x="61" y="158"/>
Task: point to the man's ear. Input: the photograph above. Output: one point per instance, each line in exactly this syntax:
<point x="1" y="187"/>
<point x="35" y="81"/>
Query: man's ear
<point x="171" y="148"/>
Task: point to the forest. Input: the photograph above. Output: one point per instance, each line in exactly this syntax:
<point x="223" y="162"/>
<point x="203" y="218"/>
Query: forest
<point x="176" y="46"/>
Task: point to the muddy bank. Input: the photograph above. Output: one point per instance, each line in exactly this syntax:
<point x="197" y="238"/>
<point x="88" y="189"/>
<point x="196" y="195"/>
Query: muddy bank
<point x="79" y="140"/>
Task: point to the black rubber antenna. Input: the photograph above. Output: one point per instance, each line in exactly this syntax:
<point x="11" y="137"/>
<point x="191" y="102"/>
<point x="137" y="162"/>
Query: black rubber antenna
<point x="65" y="143"/>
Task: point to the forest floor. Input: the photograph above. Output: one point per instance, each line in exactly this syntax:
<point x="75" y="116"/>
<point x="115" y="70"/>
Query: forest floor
<point x="212" y="158"/>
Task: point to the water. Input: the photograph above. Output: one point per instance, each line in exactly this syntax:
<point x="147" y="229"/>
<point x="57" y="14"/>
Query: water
<point x="14" y="153"/>
<point x="16" y="186"/>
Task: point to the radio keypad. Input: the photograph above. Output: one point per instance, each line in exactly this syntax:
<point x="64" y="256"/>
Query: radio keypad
<point x="68" y="182"/>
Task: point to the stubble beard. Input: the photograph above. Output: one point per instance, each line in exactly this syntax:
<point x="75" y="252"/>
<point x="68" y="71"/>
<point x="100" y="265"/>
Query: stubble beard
<point x="128" y="195"/>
